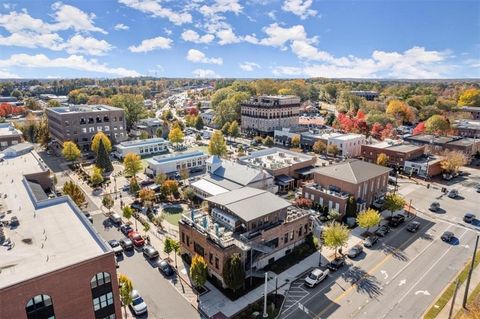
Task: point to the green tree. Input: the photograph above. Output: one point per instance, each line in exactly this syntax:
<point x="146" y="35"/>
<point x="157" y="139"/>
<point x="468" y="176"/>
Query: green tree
<point x="126" y="289"/>
<point x="351" y="209"/>
<point x="134" y="187"/>
<point x="268" y="141"/>
<point x="176" y="249"/>
<point x="143" y="135"/>
<point x="159" y="132"/>
<point x="233" y="272"/>
<point x="188" y="193"/>
<point x="382" y="159"/>
<point x="160" y="178"/>
<point x="335" y="235"/>
<point x="132" y="105"/>
<point x="167" y="246"/>
<point x="234" y="130"/>
<point x="100" y="136"/>
<point x="217" y="145"/>
<point x="184" y="173"/>
<point x="333" y="214"/>
<point x="369" y="218"/>
<point x="176" y="135"/>
<point x="333" y="150"/>
<point x="108" y="201"/>
<point x="319" y="147"/>
<point x="103" y="160"/>
<point x="70" y="151"/>
<point x="146" y="227"/>
<point x="394" y="202"/>
<point x="127" y="212"/>
<point x="32" y="104"/>
<point x="198" y="271"/>
<point x="75" y="192"/>
<point x="132" y="164"/>
<point x="199" y="123"/>
<point x="437" y="124"/>
<point x="53" y="103"/>
<point x="225" y="128"/>
<point x="96" y="177"/>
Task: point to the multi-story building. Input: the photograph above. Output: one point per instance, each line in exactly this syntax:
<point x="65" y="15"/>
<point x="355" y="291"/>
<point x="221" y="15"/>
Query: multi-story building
<point x="474" y="110"/>
<point x="439" y="144"/>
<point x="80" y="123"/>
<point x="349" y="145"/>
<point x="147" y="147"/>
<point x="398" y="152"/>
<point x="150" y="126"/>
<point x="254" y="223"/>
<point x="53" y="263"/>
<point x="172" y="163"/>
<point x="224" y="175"/>
<point x="367" y="95"/>
<point x="207" y="117"/>
<point x="334" y="184"/>
<point x="467" y="128"/>
<point x="263" y="114"/>
<point x="289" y="168"/>
<point x="9" y="135"/>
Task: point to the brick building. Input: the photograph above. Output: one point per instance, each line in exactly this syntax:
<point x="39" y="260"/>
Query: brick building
<point x="440" y="144"/>
<point x="397" y="151"/>
<point x="80" y="123"/>
<point x="53" y="263"/>
<point x="254" y="223"/>
<point x="263" y="114"/>
<point x="333" y="185"/>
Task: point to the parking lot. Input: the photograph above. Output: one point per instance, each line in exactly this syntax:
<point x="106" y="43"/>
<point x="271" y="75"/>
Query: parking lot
<point x="157" y="291"/>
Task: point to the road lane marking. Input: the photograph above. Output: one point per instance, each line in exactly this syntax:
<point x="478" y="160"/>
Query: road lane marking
<point x="384" y="273"/>
<point x="402" y="282"/>
<point x="423" y="292"/>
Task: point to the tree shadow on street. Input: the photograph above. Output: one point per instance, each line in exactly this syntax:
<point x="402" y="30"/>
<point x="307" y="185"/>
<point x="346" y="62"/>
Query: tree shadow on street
<point x="364" y="282"/>
<point x="394" y="252"/>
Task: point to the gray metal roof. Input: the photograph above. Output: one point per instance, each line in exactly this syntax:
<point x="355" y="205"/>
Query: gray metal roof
<point x="238" y="173"/>
<point x="353" y="171"/>
<point x="250" y="203"/>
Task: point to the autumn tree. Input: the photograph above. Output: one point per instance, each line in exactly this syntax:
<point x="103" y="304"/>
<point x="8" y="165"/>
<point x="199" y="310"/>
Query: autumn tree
<point x="234" y="130"/>
<point x="126" y="288"/>
<point x="96" y="142"/>
<point x="176" y="135"/>
<point x="43" y="131"/>
<point x="394" y="202"/>
<point x="333" y="150"/>
<point x="296" y="141"/>
<point x="108" y="201"/>
<point x="225" y="129"/>
<point x="335" y="235"/>
<point x="319" y="147"/>
<point x="127" y="212"/>
<point x="198" y="271"/>
<point x="169" y="187"/>
<point x="234" y="272"/>
<point x="470" y="97"/>
<point x="199" y="123"/>
<point x="217" y="145"/>
<point x="268" y="141"/>
<point x="400" y="111"/>
<point x="134" y="187"/>
<point x="147" y="196"/>
<point x="437" y="124"/>
<point x="75" y="192"/>
<point x="184" y="173"/>
<point x="382" y="159"/>
<point x="70" y="151"/>
<point x="96" y="177"/>
<point x="419" y="129"/>
<point x="369" y="218"/>
<point x="133" y="164"/>
<point x="453" y="161"/>
<point x="160" y="178"/>
<point x="53" y="103"/>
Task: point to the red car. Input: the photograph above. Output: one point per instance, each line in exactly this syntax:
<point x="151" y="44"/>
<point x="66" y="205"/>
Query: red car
<point x="136" y="238"/>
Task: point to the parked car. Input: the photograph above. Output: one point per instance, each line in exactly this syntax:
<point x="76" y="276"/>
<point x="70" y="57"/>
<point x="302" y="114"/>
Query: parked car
<point x="469" y="218"/>
<point x="448" y="236"/>
<point x="115" y="218"/>
<point x="378" y="203"/>
<point x="434" y="207"/>
<point x="453" y="193"/>
<point x="137" y="240"/>
<point x="138" y="305"/>
<point x="126" y="229"/>
<point x="396" y="220"/>
<point x="14" y="221"/>
<point x="370" y="241"/>
<point x="477" y="188"/>
<point x="355" y="251"/>
<point x="336" y="263"/>
<point x="316" y="276"/>
<point x="165" y="268"/>
<point x="89" y="217"/>
<point x="413" y="227"/>
<point x="117" y="249"/>
<point x="126" y="243"/>
<point x="382" y="230"/>
<point x="149" y="252"/>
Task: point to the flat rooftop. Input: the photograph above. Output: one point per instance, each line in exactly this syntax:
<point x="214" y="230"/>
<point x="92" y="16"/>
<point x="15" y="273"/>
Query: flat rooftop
<point x="350" y="136"/>
<point x="174" y="157"/>
<point x="275" y="158"/>
<point x="396" y="146"/>
<point x="53" y="233"/>
<point x="145" y="142"/>
<point x="6" y="130"/>
<point x="468" y="124"/>
<point x="83" y="109"/>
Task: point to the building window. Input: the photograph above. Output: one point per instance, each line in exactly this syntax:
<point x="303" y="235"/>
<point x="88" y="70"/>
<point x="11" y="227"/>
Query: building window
<point x="102" y="296"/>
<point x="285" y="238"/>
<point x="300" y="231"/>
<point x="40" y="307"/>
<point x="103" y="301"/>
<point x="210" y="258"/>
<point x="183" y="238"/>
<point x="198" y="249"/>
<point x="188" y="241"/>
<point x="292" y="235"/>
<point x="216" y="262"/>
<point x="100" y="279"/>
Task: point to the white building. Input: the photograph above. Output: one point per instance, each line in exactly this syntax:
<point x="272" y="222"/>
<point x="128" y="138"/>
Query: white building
<point x="349" y="145"/>
<point x="207" y="117"/>
<point x="149" y="146"/>
<point x="172" y="163"/>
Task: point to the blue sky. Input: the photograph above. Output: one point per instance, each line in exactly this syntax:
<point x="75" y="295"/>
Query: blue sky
<point x="240" y="38"/>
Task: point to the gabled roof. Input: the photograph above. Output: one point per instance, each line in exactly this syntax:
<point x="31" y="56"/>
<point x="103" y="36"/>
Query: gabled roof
<point x="241" y="174"/>
<point x="353" y="171"/>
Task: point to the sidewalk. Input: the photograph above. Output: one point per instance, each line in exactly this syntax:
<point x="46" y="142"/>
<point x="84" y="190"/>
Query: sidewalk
<point x="475" y="281"/>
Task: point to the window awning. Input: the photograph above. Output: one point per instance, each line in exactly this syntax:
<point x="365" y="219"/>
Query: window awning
<point x="305" y="171"/>
<point x="284" y="180"/>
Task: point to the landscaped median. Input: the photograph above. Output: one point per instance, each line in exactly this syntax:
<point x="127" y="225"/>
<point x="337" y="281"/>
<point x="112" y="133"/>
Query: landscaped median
<point x="447" y="294"/>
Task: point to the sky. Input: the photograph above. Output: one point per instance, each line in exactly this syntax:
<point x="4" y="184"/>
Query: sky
<point x="414" y="39"/>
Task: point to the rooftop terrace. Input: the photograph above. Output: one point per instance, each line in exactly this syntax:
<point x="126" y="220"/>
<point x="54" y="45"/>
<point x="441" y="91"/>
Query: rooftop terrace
<point x="82" y="109"/>
<point x="274" y="158"/>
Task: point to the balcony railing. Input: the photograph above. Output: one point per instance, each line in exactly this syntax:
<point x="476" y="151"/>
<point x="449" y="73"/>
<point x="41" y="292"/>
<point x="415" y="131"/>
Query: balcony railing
<point x="321" y="189"/>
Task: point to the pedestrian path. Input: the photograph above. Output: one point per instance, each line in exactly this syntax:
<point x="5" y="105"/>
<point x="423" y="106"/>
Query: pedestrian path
<point x="296" y="292"/>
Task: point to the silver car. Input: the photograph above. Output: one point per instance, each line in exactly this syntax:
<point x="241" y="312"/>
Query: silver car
<point x="138" y="305"/>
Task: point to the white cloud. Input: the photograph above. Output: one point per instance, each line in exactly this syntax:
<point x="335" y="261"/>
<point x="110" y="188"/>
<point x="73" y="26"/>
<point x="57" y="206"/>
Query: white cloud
<point x="155" y="9"/>
<point x="277" y="36"/>
<point x="287" y="70"/>
<point x="205" y="73"/>
<point x="221" y="6"/>
<point x="272" y="15"/>
<point x="192" y="36"/>
<point x="8" y="75"/>
<point x="152" y="44"/>
<point x="21" y="21"/>
<point x="227" y="36"/>
<point x="121" y="26"/>
<point x="89" y="45"/>
<point x="167" y="31"/>
<point x="307" y="51"/>
<point x="197" y="56"/>
<point x="75" y="62"/>
<point x="249" y="66"/>
<point x="67" y="16"/>
<point x="300" y="8"/>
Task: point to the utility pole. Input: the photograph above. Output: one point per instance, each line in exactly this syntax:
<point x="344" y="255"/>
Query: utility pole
<point x="465" y="295"/>
<point x="265" y="314"/>
<point x="453" y="300"/>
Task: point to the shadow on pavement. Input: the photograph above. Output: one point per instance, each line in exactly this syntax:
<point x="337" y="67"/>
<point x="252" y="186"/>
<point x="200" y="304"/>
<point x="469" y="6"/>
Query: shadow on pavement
<point x="365" y="283"/>
<point x="394" y="252"/>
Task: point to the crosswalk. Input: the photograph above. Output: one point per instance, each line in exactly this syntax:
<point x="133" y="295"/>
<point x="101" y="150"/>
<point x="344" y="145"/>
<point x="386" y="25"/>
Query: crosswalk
<point x="295" y="294"/>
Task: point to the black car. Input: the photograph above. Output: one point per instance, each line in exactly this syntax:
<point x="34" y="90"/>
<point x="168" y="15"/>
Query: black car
<point x="370" y="241"/>
<point x="126" y="244"/>
<point x="150" y="252"/>
<point x="125" y="229"/>
<point x="336" y="263"/>
<point x="382" y="230"/>
<point x="469" y="218"/>
<point x="117" y="249"/>
<point x="396" y="220"/>
<point x="165" y="268"/>
<point x="413" y="227"/>
<point x="447" y="236"/>
<point x="89" y="217"/>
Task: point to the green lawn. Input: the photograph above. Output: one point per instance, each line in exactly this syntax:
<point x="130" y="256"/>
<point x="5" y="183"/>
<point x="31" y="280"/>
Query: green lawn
<point x="173" y="214"/>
